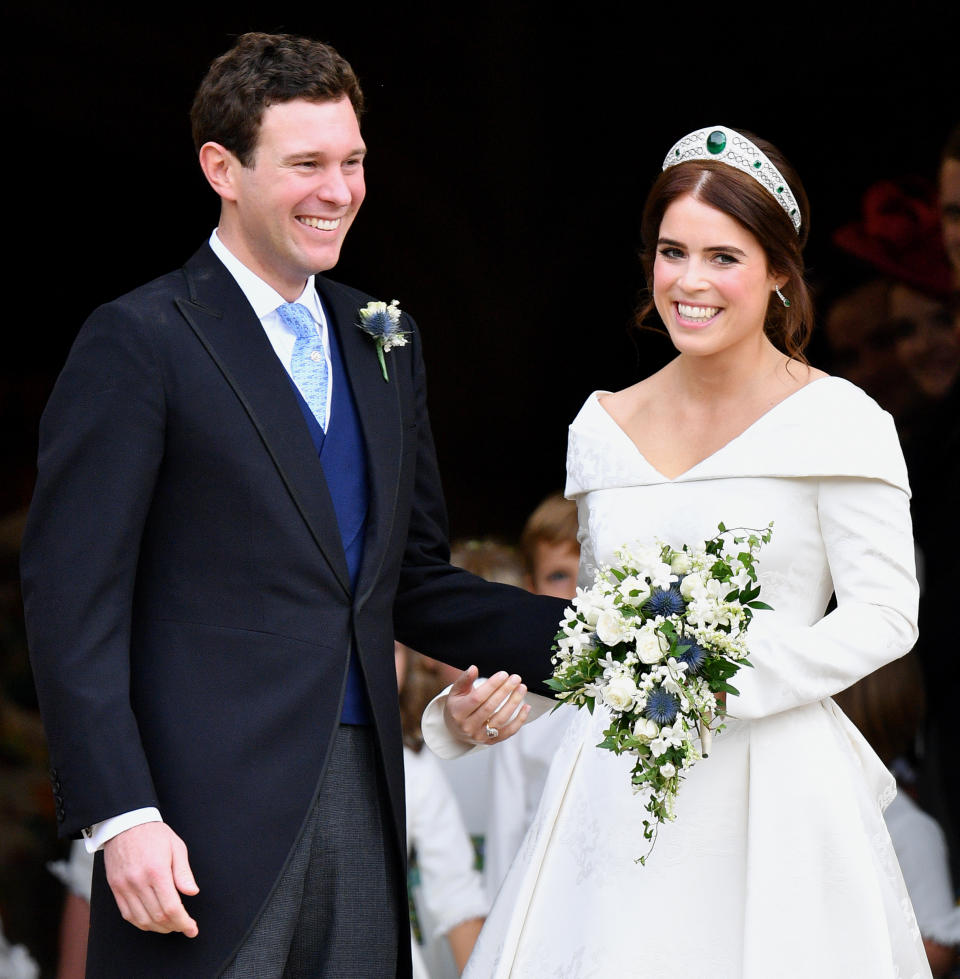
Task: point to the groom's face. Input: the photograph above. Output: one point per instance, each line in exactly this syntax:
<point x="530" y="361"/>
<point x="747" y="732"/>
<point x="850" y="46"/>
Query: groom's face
<point x="297" y="200"/>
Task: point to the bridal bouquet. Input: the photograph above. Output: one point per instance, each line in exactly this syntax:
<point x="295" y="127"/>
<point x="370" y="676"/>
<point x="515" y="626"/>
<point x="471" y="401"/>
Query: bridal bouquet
<point x="657" y="640"/>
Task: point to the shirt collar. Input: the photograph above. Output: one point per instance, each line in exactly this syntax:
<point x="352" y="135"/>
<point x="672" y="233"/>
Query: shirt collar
<point x="262" y="297"/>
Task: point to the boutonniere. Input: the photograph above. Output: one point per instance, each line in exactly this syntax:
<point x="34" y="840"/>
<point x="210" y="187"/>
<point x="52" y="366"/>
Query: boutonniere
<point x="382" y="322"/>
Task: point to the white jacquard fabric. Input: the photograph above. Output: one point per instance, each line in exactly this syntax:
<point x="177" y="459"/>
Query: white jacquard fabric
<point x="779" y="864"/>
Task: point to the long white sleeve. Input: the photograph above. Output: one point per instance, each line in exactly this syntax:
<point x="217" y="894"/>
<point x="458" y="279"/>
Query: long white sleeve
<point x="867" y="533"/>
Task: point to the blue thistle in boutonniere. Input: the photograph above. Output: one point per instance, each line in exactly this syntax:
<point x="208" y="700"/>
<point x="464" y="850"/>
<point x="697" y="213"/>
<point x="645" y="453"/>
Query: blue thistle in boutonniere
<point x="382" y="322"/>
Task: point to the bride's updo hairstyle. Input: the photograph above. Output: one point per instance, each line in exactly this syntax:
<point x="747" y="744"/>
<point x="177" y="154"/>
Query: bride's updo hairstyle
<point x="741" y="196"/>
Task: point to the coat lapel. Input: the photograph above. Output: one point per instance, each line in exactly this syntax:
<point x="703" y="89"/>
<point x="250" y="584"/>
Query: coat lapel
<point x="378" y="405"/>
<point x="225" y="324"/>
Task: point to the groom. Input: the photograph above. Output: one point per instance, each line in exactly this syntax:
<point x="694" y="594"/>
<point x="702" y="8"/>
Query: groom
<point x="237" y="510"/>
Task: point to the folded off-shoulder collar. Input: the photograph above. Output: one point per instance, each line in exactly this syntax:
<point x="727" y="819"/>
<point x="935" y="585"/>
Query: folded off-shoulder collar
<point x="828" y="428"/>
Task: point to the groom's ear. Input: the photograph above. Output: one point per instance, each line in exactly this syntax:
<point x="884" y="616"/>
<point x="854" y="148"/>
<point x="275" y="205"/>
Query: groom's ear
<point x="220" y="167"/>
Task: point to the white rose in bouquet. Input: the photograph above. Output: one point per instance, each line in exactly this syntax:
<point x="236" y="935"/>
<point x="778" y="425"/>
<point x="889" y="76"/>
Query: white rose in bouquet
<point x="612" y="628"/>
<point x="651" y="645"/>
<point x="620" y="692"/>
<point x="645" y="729"/>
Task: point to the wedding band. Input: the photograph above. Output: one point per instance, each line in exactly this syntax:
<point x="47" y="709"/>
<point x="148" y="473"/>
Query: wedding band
<point x="492" y="733"/>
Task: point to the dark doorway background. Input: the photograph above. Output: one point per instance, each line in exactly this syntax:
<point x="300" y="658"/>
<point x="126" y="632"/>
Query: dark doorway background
<point x="511" y="147"/>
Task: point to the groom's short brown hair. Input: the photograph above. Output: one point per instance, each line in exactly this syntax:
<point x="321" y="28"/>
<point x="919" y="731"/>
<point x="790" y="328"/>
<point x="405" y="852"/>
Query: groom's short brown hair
<point x="261" y="70"/>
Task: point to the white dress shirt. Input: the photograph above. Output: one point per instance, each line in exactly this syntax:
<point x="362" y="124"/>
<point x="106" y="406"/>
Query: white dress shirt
<point x="264" y="299"/>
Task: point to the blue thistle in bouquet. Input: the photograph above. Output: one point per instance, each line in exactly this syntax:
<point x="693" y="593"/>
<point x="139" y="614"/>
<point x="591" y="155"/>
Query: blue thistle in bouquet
<point x="665" y="602"/>
<point x="661" y="706"/>
<point x="692" y="654"/>
<point x="655" y="642"/>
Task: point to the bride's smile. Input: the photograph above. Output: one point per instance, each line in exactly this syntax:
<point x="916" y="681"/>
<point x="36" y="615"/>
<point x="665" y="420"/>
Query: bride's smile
<point x="695" y="316"/>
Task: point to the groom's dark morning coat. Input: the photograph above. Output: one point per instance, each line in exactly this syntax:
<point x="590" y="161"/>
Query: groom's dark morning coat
<point x="189" y="608"/>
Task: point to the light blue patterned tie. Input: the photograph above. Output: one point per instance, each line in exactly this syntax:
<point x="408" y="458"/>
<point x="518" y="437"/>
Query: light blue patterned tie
<point x="308" y="365"/>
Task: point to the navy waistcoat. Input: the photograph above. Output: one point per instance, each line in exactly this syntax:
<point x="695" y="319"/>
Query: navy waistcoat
<point x="343" y="455"/>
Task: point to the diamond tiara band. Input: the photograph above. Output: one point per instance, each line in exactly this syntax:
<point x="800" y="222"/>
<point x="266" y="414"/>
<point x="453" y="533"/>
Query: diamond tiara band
<point x="730" y="147"/>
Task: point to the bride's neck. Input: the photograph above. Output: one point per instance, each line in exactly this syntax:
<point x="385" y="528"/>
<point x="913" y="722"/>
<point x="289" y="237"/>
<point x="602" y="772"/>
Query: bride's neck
<point x="727" y="375"/>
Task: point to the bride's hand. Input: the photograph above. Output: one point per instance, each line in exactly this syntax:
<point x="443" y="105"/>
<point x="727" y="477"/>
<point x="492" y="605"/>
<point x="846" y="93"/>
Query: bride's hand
<point x="489" y="712"/>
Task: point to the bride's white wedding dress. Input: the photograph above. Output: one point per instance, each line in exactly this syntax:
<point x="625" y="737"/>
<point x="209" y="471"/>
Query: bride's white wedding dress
<point x="779" y="864"/>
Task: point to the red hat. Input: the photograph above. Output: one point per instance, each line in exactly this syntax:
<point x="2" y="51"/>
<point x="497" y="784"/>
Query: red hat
<point x="900" y="235"/>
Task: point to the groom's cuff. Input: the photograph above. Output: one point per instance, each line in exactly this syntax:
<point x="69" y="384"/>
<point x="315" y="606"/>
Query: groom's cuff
<point x="99" y="833"/>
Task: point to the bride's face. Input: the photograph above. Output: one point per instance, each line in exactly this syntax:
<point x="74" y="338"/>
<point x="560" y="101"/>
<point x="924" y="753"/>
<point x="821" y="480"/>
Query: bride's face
<point x="711" y="284"/>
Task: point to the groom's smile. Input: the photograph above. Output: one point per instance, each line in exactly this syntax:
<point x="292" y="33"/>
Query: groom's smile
<point x="320" y="223"/>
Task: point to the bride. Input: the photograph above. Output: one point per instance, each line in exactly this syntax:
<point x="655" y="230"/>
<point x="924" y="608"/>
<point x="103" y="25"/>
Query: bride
<point x="779" y="864"/>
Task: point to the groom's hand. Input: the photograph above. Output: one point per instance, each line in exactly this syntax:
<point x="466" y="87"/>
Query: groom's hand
<point x="146" y="867"/>
<point x="488" y="712"/>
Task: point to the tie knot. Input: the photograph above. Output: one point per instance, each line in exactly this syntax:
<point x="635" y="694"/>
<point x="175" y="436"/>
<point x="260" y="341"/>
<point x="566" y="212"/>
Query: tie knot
<point x="298" y="318"/>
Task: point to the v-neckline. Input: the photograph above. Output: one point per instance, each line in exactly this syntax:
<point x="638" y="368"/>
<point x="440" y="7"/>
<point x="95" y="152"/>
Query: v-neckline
<point x="736" y="438"/>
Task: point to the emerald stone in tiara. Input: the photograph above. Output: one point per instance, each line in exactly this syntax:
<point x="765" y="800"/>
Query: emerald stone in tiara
<point x="716" y="142"/>
<point x="733" y="148"/>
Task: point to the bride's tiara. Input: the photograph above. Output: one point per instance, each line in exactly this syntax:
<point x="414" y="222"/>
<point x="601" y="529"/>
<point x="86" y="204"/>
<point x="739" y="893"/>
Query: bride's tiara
<point x="733" y="148"/>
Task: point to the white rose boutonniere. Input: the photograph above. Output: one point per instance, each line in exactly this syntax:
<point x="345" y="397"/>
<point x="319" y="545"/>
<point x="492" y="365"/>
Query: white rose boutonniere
<point x="382" y="322"/>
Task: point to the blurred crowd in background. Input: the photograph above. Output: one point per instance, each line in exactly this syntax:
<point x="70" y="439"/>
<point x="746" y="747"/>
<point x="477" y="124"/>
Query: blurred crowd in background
<point x="889" y="318"/>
